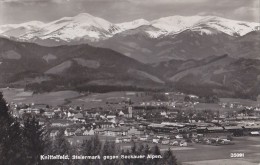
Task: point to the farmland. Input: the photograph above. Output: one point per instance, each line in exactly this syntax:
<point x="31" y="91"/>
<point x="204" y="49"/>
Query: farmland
<point x="196" y="153"/>
<point x="51" y="98"/>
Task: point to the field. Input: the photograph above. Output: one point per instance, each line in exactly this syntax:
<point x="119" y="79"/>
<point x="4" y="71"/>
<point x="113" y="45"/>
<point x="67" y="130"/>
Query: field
<point x="101" y="99"/>
<point x="250" y="146"/>
<point x="241" y="101"/>
<point x="51" y="98"/>
<point x="214" y="107"/>
<point x="71" y="97"/>
<point x="221" y="162"/>
<point x="199" y="154"/>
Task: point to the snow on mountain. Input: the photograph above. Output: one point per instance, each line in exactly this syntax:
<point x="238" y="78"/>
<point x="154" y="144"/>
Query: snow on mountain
<point x="133" y="24"/>
<point x="18" y="30"/>
<point x="176" y="24"/>
<point x="81" y="26"/>
<point x="230" y="27"/>
<point x="85" y="27"/>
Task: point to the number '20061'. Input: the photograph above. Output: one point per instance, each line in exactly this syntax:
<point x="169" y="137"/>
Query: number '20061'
<point x="237" y="155"/>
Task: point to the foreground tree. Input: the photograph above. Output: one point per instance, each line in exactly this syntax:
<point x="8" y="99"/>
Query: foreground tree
<point x="169" y="158"/>
<point x="34" y="140"/>
<point x="11" y="151"/>
<point x="156" y="151"/>
<point x="126" y="161"/>
<point x="92" y="147"/>
<point x="110" y="149"/>
<point x="61" y="147"/>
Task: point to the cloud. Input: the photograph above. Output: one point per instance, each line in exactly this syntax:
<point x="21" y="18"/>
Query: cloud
<point x="167" y="1"/>
<point x="125" y="10"/>
<point x="32" y="1"/>
<point x="147" y="2"/>
<point x="243" y="12"/>
<point x="211" y="13"/>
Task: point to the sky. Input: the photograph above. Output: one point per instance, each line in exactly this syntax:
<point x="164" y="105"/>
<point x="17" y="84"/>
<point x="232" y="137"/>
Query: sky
<point x="117" y="11"/>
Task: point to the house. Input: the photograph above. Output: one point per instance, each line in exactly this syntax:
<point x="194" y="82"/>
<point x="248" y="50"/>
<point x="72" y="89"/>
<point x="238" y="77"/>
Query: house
<point x="163" y="113"/>
<point x="42" y="121"/>
<point x="100" y="131"/>
<point x="121" y="113"/>
<point x="61" y="123"/>
<point x="128" y="113"/>
<point x="79" y="118"/>
<point x="49" y="114"/>
<point x="54" y="133"/>
<point x="201" y="130"/>
<point x="71" y="113"/>
<point x="134" y="131"/>
<point x="110" y="117"/>
<point x="251" y="128"/>
<point x="103" y="124"/>
<point x="118" y="131"/>
<point x="254" y="133"/>
<point x="29" y="110"/>
<point x="161" y="128"/>
<point x="89" y="132"/>
<point x="78" y="132"/>
<point x="69" y="131"/>
<point x="216" y="132"/>
<point x="215" y="129"/>
<point x="76" y="140"/>
<point x="235" y="130"/>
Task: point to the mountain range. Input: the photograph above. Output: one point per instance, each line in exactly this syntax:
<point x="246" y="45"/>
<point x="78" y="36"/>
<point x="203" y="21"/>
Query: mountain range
<point x="84" y="67"/>
<point x="173" y="37"/>
<point x="203" y="55"/>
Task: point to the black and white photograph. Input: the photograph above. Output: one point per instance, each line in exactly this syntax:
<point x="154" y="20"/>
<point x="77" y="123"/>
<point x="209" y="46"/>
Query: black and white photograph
<point x="129" y="82"/>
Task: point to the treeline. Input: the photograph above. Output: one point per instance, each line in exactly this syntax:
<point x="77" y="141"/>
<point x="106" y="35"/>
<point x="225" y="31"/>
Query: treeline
<point x="107" y="88"/>
<point x="206" y="90"/>
<point x="205" y="99"/>
<point x="48" y="86"/>
<point x="24" y="142"/>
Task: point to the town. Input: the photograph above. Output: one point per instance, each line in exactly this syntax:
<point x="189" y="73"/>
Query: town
<point x="171" y="119"/>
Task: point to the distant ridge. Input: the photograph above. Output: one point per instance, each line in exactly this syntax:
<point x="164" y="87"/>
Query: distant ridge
<point x="88" y="28"/>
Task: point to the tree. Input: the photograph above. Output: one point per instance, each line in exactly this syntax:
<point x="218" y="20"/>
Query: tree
<point x="135" y="151"/>
<point x="33" y="140"/>
<point x="4" y="113"/>
<point x="10" y="137"/>
<point x="61" y="147"/>
<point x="92" y="147"/>
<point x="169" y="158"/>
<point x="187" y="99"/>
<point x="156" y="151"/>
<point x="78" y="108"/>
<point x="146" y="150"/>
<point x="141" y="151"/>
<point x="126" y="161"/>
<point x="109" y="149"/>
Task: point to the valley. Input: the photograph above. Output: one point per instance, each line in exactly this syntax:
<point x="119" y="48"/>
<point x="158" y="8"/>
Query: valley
<point x="129" y="82"/>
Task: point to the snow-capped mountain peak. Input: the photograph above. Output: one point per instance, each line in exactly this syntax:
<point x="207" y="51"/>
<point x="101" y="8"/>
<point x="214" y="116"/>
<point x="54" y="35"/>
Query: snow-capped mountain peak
<point x="132" y="24"/>
<point x="230" y="27"/>
<point x="17" y="30"/>
<point x="90" y="20"/>
<point x="85" y="27"/>
<point x="175" y="23"/>
<point x="80" y="26"/>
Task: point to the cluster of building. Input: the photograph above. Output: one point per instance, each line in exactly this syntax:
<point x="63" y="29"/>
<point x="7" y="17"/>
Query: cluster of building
<point x="145" y="121"/>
